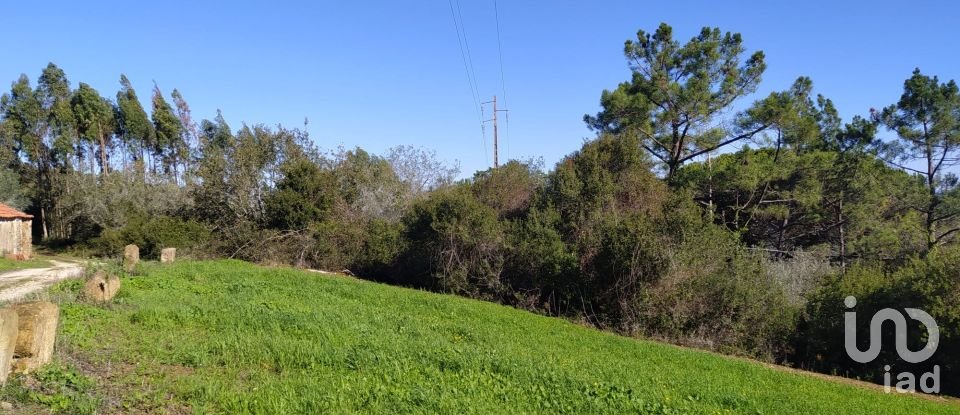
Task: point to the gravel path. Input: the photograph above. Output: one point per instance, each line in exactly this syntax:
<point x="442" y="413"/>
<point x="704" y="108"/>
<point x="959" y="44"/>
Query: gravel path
<point x="16" y="284"/>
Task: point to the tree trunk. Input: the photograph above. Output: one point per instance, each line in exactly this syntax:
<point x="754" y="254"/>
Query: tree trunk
<point x="934" y="200"/>
<point x="843" y="241"/>
<point x="43" y="222"/>
<point x="103" y="150"/>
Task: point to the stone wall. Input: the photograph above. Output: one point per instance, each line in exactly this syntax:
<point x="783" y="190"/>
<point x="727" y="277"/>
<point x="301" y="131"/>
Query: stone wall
<point x="16" y="238"/>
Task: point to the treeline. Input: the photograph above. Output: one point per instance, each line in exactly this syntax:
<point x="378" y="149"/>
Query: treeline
<point x="737" y="232"/>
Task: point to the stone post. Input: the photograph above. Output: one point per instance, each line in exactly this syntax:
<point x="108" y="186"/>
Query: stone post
<point x="168" y="255"/>
<point x="131" y="256"/>
<point x="8" y="340"/>
<point x="37" y="324"/>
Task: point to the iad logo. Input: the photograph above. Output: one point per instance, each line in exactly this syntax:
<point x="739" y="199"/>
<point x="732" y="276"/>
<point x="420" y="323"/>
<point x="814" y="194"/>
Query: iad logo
<point x="906" y="381"/>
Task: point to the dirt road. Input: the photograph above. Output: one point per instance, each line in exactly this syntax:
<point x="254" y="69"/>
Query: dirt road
<point x="17" y="284"/>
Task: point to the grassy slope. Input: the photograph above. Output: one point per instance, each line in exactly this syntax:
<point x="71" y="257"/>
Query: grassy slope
<point x="231" y="337"/>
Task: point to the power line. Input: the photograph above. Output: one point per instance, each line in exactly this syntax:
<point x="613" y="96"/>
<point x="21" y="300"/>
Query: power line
<point x="503" y="84"/>
<point x="468" y="68"/>
<point x="483" y="133"/>
<point x="496" y="152"/>
<point x="463" y="28"/>
<point x="473" y="90"/>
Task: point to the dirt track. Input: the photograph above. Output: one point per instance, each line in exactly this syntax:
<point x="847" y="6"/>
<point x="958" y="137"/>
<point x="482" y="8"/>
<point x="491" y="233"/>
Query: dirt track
<point x="17" y="284"/>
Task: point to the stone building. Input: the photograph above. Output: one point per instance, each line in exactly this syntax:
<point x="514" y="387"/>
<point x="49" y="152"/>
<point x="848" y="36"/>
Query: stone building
<point x="15" y="233"/>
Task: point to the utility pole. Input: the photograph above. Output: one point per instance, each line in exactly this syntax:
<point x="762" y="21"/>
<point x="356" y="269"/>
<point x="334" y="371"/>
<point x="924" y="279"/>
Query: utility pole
<point x="496" y="138"/>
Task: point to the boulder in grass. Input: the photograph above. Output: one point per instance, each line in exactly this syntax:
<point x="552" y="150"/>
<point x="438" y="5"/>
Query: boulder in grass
<point x="131" y="256"/>
<point x="96" y="287"/>
<point x="113" y="286"/>
<point x="37" y="326"/>
<point x="8" y="340"/>
<point x="168" y="255"/>
<point x="102" y="287"/>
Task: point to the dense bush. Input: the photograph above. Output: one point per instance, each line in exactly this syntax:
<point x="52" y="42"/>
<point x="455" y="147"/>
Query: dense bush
<point x="509" y="190"/>
<point x="931" y="284"/>
<point x="718" y="296"/>
<point x="542" y="270"/>
<point x="599" y="239"/>
<point x="152" y="234"/>
<point x="455" y="244"/>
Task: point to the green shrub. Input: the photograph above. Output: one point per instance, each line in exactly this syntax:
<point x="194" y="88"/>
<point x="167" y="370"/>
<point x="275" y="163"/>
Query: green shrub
<point x="541" y="270"/>
<point x="509" y="189"/>
<point x="456" y="244"/>
<point x="717" y="296"/>
<point x="931" y="284"/>
<point x="58" y="388"/>
<point x="618" y="259"/>
<point x="382" y="245"/>
<point x="151" y="234"/>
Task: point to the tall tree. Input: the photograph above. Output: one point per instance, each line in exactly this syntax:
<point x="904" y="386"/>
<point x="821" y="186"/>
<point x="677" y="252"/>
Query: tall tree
<point x="53" y="91"/>
<point x="8" y="157"/>
<point x="677" y="91"/>
<point x="216" y="133"/>
<point x="38" y="129"/>
<point x="135" y="127"/>
<point x="927" y="123"/>
<point x="95" y="121"/>
<point x="189" y="132"/>
<point x="790" y="117"/>
<point x="759" y="191"/>
<point x="25" y="123"/>
<point x="420" y="169"/>
<point x="11" y="192"/>
<point x="168" y="130"/>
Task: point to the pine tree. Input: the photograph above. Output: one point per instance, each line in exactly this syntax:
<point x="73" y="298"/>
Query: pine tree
<point x="675" y="93"/>
<point x="927" y="123"/>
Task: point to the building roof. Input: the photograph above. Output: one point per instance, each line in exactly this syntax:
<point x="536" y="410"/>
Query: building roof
<point x="7" y="212"/>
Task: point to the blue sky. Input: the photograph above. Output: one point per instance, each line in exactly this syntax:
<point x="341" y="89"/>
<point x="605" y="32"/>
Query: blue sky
<point x="377" y="74"/>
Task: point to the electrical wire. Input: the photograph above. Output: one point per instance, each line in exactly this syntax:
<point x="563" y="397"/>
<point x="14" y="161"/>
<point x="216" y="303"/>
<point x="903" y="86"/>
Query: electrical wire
<point x="465" y="55"/>
<point x="503" y="84"/>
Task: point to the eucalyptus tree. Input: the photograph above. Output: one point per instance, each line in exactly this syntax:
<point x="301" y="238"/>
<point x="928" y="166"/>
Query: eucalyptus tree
<point x="8" y="157"/>
<point x="11" y="192"/>
<point x="40" y="140"/>
<point x="136" y="130"/>
<point x="95" y="121"/>
<point x="25" y="122"/>
<point x="926" y="120"/>
<point x="215" y="134"/>
<point x="168" y="129"/>
<point x="189" y="134"/>
<point x="53" y="92"/>
<point x="677" y="92"/>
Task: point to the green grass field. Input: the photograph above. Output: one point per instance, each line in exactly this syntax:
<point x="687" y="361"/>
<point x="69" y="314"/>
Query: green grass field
<point x="11" y="265"/>
<point x="230" y="337"/>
